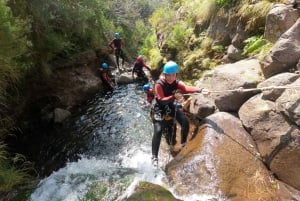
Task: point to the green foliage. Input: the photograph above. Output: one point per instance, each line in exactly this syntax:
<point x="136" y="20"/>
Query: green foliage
<point x="178" y="36"/>
<point x="13" y="44"/>
<point x="13" y="65"/>
<point x="206" y="43"/>
<point x="62" y="27"/>
<point x="96" y="191"/>
<point x="254" y="15"/>
<point x="9" y="175"/>
<point x="200" y="11"/>
<point x="223" y="3"/>
<point x="218" y="48"/>
<point x="265" y="50"/>
<point x="254" y="45"/>
<point x="161" y="17"/>
<point x="151" y="52"/>
<point x="101" y="190"/>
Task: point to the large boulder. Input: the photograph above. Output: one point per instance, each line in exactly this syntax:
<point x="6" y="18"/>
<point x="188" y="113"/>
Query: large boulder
<point x="273" y="82"/>
<point x="225" y="81"/>
<point x="221" y="162"/>
<point x="274" y="126"/>
<point x="279" y="20"/>
<point x="285" y="54"/>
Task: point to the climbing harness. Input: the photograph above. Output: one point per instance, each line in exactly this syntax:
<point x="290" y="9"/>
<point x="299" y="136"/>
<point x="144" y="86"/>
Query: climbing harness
<point x="173" y="133"/>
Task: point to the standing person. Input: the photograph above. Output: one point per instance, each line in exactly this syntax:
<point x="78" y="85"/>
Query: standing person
<point x="117" y="44"/>
<point x="104" y="75"/>
<point x="137" y="69"/>
<point x="164" y="108"/>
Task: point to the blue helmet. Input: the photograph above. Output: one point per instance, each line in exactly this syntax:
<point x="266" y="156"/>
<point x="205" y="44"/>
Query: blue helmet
<point x="170" y="68"/>
<point x="117" y="35"/>
<point x="146" y="87"/>
<point x="104" y="65"/>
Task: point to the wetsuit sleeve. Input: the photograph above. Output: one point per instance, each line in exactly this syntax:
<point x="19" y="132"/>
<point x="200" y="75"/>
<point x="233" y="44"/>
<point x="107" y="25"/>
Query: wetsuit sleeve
<point x="122" y="43"/>
<point x="161" y="96"/>
<point x="148" y="68"/>
<point x="187" y="89"/>
<point x="111" y="44"/>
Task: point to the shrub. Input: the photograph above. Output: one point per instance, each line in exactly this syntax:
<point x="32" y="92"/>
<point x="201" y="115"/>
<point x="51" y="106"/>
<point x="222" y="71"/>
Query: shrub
<point x="254" y="45"/>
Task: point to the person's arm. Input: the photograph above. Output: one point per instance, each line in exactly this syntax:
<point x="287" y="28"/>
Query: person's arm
<point x="147" y="67"/>
<point x="188" y="89"/>
<point x="111" y="44"/>
<point x="161" y="96"/>
<point x="122" y="43"/>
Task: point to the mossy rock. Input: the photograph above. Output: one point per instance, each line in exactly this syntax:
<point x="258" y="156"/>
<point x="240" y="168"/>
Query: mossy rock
<point x="148" y="192"/>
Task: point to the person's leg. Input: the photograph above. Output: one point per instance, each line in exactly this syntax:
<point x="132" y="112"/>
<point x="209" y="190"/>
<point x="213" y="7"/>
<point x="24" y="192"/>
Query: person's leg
<point x="171" y="133"/>
<point x="145" y="78"/>
<point x="156" y="138"/>
<point x="117" y="57"/>
<point x="184" y="123"/>
<point x="122" y="57"/>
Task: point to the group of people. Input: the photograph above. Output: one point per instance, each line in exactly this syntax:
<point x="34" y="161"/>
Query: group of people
<point x="117" y="44"/>
<point x="164" y="110"/>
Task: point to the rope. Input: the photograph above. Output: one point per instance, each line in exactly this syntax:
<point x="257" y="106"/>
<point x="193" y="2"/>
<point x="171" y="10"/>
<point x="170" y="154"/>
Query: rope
<point x="253" y="89"/>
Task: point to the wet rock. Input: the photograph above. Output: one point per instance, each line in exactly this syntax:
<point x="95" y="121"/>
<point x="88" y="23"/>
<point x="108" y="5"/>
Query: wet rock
<point x="148" y="192"/>
<point x="221" y="162"/>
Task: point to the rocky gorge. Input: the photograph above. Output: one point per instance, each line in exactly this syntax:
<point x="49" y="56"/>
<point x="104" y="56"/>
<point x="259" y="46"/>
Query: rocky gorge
<point x="248" y="146"/>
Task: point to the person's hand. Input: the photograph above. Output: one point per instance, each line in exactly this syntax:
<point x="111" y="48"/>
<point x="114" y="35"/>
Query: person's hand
<point x="178" y="96"/>
<point x="205" y="91"/>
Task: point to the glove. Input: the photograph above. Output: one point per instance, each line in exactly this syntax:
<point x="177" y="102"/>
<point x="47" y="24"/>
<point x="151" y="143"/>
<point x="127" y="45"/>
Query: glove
<point x="199" y="91"/>
<point x="178" y="105"/>
<point x="204" y="91"/>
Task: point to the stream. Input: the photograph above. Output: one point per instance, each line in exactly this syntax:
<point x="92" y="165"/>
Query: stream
<point x="116" y="143"/>
<point x="113" y="144"/>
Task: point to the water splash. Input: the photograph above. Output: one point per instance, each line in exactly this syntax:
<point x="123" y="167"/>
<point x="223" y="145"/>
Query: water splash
<point x="115" y="133"/>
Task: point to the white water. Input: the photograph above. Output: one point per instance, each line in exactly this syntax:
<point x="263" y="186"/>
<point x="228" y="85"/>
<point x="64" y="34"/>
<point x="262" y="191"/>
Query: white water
<point x="118" y="146"/>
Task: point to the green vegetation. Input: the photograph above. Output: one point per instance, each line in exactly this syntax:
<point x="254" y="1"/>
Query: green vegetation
<point x="148" y="191"/>
<point x="195" y="43"/>
<point x="223" y="3"/>
<point x="254" y="15"/>
<point x="13" y="63"/>
<point x="36" y="36"/>
<point x="12" y="170"/>
<point x="101" y="190"/>
<point x="254" y="45"/>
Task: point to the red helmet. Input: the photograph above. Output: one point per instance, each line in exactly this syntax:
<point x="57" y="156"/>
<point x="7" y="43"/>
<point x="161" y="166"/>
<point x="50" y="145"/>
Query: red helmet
<point x="139" y="58"/>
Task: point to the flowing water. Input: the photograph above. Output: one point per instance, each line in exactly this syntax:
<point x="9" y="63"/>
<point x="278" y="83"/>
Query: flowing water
<point x="116" y="133"/>
<point x="114" y="142"/>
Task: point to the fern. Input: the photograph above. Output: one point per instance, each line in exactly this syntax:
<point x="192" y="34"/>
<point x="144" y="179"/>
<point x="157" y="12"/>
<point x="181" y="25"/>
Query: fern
<point x="254" y="45"/>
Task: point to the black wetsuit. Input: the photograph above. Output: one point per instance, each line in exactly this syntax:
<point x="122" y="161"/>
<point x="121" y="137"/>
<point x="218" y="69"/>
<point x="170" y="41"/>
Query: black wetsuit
<point x="163" y="114"/>
<point x="117" y="43"/>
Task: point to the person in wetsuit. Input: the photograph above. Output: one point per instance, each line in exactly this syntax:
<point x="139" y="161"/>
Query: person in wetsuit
<point x="164" y="108"/>
<point x="117" y="44"/>
<point x="105" y="77"/>
<point x="149" y="94"/>
<point x="137" y="69"/>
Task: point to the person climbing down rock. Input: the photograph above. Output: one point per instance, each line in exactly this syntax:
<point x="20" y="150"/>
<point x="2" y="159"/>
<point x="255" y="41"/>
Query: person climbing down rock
<point x="165" y="110"/>
<point x="105" y="77"/>
<point x="149" y="94"/>
<point x="138" y="70"/>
